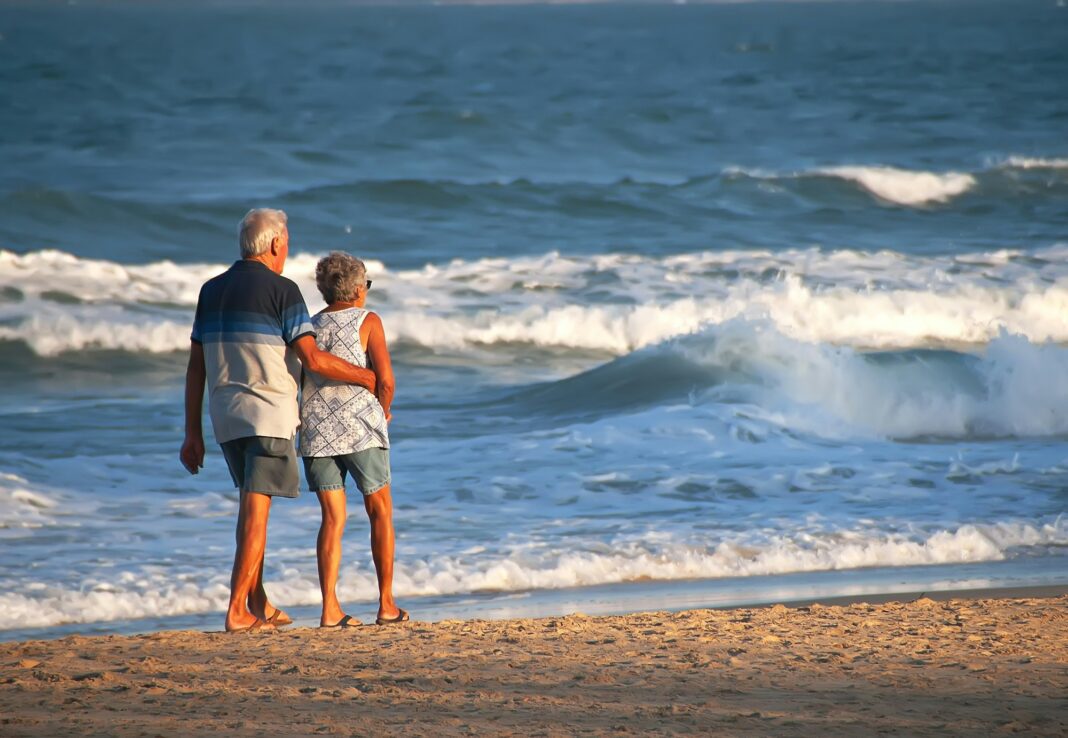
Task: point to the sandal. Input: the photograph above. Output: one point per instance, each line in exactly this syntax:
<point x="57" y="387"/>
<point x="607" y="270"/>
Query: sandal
<point x="402" y="617"/>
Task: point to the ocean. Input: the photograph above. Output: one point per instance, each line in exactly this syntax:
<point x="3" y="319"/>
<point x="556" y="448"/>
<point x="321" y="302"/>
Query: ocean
<point x="689" y="304"/>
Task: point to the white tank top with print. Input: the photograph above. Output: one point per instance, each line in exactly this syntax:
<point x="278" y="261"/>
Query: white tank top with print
<point x="338" y="418"/>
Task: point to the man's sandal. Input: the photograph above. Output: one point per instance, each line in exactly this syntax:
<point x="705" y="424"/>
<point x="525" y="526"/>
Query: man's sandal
<point x="402" y="617"/>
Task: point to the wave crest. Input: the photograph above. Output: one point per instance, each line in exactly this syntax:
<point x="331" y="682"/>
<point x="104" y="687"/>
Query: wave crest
<point x="1012" y="389"/>
<point x="905" y="187"/>
<point x="1032" y="162"/>
<point x="611" y="303"/>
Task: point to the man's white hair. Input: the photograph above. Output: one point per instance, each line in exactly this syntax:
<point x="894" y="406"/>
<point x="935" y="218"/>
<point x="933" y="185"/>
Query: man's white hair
<point x="259" y="227"/>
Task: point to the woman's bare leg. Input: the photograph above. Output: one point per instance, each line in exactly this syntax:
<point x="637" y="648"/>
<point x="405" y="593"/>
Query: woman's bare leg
<point x="379" y="508"/>
<point x="328" y="552"/>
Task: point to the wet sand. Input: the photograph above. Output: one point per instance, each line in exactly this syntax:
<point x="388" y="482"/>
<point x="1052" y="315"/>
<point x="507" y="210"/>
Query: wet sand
<point x="956" y="667"/>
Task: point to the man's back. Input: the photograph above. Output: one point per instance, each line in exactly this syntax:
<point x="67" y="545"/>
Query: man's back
<point x="246" y="318"/>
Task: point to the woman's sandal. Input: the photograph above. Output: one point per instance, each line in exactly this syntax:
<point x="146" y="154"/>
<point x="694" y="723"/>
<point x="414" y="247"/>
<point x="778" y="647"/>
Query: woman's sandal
<point x="256" y="626"/>
<point x="279" y="618"/>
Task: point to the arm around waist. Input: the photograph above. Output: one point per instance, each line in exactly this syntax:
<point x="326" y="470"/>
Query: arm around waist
<point x="333" y="367"/>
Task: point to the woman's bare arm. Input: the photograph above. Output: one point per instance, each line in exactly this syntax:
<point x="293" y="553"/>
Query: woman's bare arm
<point x="378" y="353"/>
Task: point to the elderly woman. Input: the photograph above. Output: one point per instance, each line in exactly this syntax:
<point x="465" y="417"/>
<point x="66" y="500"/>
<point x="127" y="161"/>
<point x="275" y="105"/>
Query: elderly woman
<point x="344" y="431"/>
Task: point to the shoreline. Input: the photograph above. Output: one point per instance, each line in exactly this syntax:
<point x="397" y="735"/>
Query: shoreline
<point x="1018" y="579"/>
<point x="922" y="667"/>
<point x="1033" y="592"/>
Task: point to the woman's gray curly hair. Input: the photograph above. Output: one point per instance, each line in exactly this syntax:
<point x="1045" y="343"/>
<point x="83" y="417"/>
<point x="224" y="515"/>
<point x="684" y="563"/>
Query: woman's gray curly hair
<point x="338" y="276"/>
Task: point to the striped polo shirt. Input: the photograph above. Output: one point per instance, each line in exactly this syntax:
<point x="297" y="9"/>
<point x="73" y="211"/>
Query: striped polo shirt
<point x="246" y="319"/>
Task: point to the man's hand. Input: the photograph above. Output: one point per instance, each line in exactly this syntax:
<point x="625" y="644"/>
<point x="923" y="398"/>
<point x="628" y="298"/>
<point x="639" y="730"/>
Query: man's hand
<point x="192" y="453"/>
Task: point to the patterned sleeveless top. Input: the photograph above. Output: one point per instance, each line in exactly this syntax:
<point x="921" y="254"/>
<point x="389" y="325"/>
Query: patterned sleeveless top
<point x="338" y="418"/>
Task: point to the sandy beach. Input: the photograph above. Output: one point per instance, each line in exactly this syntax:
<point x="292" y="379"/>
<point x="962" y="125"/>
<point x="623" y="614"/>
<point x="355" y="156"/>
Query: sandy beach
<point x="957" y="667"/>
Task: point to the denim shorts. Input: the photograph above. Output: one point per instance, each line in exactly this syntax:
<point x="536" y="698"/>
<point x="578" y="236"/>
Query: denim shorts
<point x="369" y="468"/>
<point x="263" y="464"/>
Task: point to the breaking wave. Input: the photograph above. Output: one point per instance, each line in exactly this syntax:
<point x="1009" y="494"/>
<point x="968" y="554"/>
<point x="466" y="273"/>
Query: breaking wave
<point x="612" y="303"/>
<point x="142" y="595"/>
<point x="904" y="187"/>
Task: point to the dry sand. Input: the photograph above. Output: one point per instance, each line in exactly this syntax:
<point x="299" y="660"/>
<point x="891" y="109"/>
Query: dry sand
<point x="963" y="667"/>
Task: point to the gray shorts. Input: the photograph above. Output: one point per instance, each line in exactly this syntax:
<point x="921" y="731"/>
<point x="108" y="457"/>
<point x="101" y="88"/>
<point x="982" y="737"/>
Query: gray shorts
<point x="369" y="468"/>
<point x="263" y="464"/>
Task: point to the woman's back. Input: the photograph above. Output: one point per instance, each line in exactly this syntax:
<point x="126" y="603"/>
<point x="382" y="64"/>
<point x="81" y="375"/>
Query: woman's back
<point x="338" y="418"/>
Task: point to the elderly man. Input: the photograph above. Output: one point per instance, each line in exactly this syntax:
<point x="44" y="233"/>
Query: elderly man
<point x="250" y="329"/>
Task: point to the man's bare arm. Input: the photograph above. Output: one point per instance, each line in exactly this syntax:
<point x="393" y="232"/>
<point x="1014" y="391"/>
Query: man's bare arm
<point x="378" y="353"/>
<point x="192" y="453"/>
<point x="333" y="367"/>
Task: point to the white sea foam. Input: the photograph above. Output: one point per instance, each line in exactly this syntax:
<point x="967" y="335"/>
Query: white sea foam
<point x="1028" y="162"/>
<point x="96" y="280"/>
<point x="77" y="328"/>
<point x="905" y="187"/>
<point x="870" y="319"/>
<point x="958" y="469"/>
<point x="154" y="594"/>
<point x="21" y="506"/>
<point x="45" y="605"/>
<point x="613" y="303"/>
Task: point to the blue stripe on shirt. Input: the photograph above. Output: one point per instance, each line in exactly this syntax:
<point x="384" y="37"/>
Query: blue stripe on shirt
<point x="296" y="322"/>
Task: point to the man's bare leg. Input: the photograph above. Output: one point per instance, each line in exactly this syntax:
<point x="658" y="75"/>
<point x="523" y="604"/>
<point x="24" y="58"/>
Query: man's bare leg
<point x="258" y="604"/>
<point x="379" y="508"/>
<point x="248" y="558"/>
<point x="328" y="552"/>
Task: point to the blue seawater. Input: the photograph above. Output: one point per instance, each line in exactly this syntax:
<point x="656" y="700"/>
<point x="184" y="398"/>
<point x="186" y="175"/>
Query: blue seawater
<point x="689" y="304"/>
